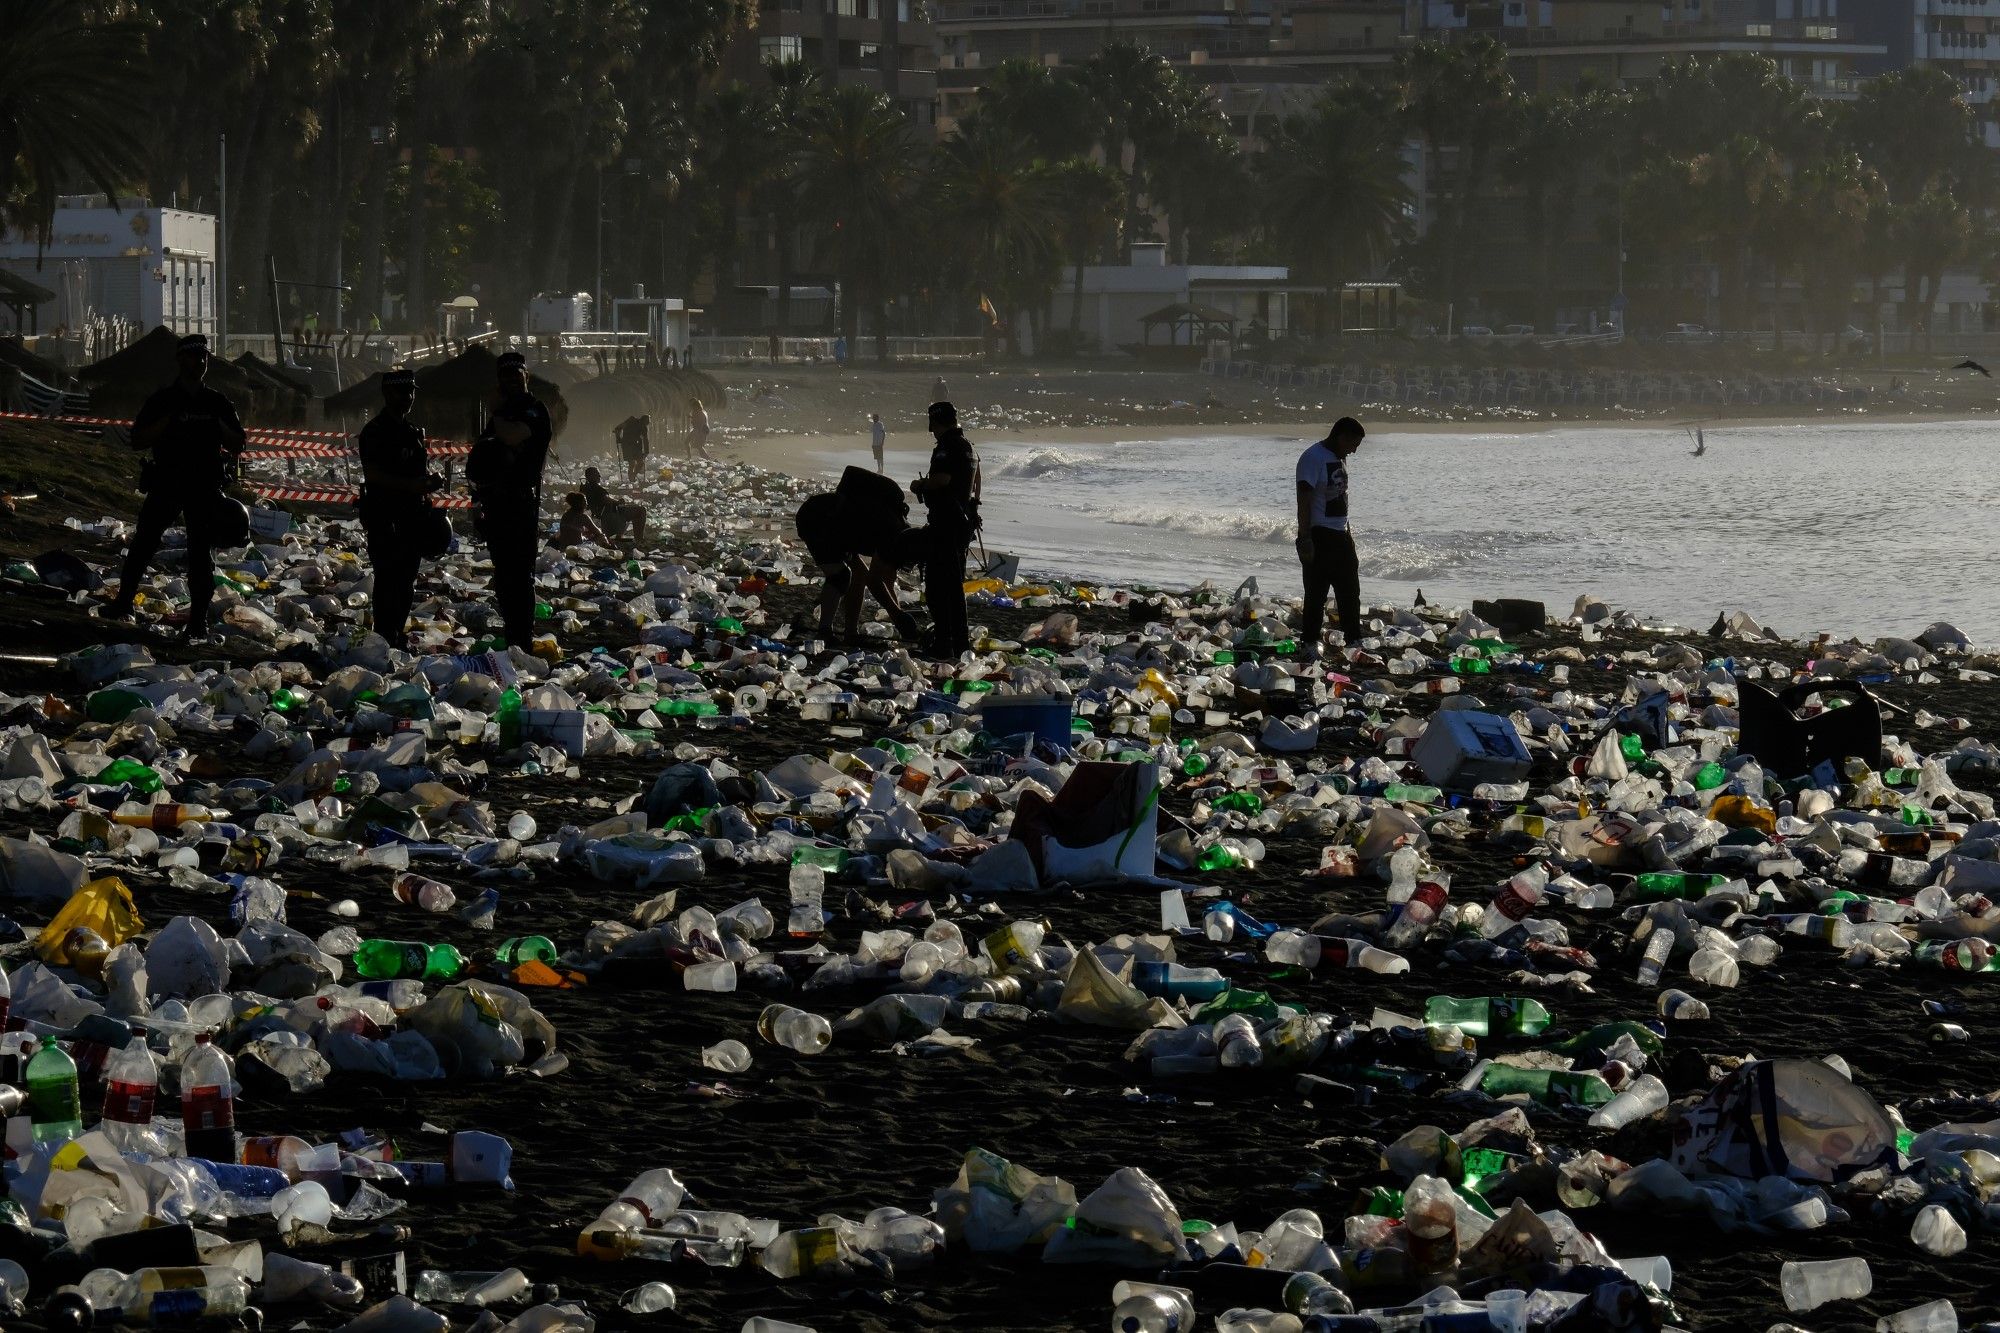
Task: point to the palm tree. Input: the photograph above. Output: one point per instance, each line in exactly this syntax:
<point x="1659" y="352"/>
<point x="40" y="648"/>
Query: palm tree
<point x="853" y="174"/>
<point x="1935" y="232"/>
<point x="1333" y="185"/>
<point x="737" y="149"/>
<point x="1090" y="200"/>
<point x="1190" y="158"/>
<point x="794" y="87"/>
<point x="1053" y="113"/>
<point x="1561" y="144"/>
<point x="71" y="91"/>
<point x="1460" y="101"/>
<point x="1133" y="88"/>
<point x="998" y="210"/>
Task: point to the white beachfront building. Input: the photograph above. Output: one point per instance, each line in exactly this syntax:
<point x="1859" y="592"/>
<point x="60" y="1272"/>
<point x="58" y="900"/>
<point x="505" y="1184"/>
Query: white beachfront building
<point x="148" y="265"/>
<point x="1179" y="304"/>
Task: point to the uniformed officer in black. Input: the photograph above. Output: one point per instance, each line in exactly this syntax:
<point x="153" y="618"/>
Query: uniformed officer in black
<point x="505" y="469"/>
<point x="950" y="492"/>
<point x="190" y="429"/>
<point x="395" y="509"/>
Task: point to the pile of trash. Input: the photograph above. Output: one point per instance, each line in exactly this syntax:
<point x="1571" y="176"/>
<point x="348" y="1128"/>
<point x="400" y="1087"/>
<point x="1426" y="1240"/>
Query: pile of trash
<point x="1657" y="826"/>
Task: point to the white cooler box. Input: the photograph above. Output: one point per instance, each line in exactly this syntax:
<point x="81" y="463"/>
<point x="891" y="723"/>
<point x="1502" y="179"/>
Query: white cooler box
<point x="1461" y="749"/>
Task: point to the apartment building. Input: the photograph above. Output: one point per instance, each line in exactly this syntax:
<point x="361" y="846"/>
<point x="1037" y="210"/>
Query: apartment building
<point x="888" y="45"/>
<point x="1961" y="37"/>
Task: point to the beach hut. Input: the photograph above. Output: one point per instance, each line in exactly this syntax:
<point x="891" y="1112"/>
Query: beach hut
<point x="453" y="396"/>
<point x="121" y="382"/>
<point x="1190" y="327"/>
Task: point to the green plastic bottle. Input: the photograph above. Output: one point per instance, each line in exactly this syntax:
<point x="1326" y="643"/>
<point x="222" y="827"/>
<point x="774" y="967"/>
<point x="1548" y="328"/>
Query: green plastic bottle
<point x="1402" y="792"/>
<point x="508" y="715"/>
<point x="1471" y="666"/>
<point x="833" y="860"/>
<point x="1249" y="802"/>
<point x="1631" y="747"/>
<point x="686" y="708"/>
<point x="130" y="771"/>
<point x="729" y="624"/>
<point x="1660" y="884"/>
<point x="1710" y="776"/>
<point x="1224" y="657"/>
<point x="525" y="949"/>
<point x="55" y="1104"/>
<point x="1488" y="1015"/>
<point x="391" y="960"/>
<point x="1194" y="765"/>
<point x="1603" y="1034"/>
<point x="1584" y="1087"/>
<point x="1215" y="856"/>
<point x="1918" y="817"/>
<point x="543" y="610"/>
<point x="113" y="705"/>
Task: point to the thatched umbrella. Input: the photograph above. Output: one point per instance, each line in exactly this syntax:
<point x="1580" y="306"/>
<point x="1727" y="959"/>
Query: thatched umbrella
<point x="453" y="396"/>
<point x="122" y="382"/>
<point x="281" y="395"/>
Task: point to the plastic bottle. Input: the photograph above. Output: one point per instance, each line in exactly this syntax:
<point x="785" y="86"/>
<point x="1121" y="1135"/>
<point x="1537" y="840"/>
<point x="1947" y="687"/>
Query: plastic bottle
<point x="1966" y="955"/>
<point x="1656" y="885"/>
<point x="1584" y="1087"/>
<point x="808" y="885"/>
<point x="508" y="717"/>
<point x="131" y="1087"/>
<point x="1147" y="1308"/>
<point x="166" y="818"/>
<point x="208" y="1102"/>
<point x="803" y="1252"/>
<point x="652" y="1198"/>
<point x="1678" y="1006"/>
<point x="1218" y="925"/>
<point x="390" y="960"/>
<point x="1417" y="914"/>
<point x="166" y="1296"/>
<point x="417" y="891"/>
<point x="1811" y="1284"/>
<point x="794" y="1029"/>
<point x="521" y="949"/>
<point x="1486" y="1016"/>
<point x="1339" y="952"/>
<point x="55" y="1105"/>
<point x="1430" y="1221"/>
<point x="1236" y="1042"/>
<point x="1515" y="899"/>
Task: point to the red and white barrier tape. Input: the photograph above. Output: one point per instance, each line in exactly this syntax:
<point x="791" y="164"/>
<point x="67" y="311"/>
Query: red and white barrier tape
<point x="258" y="435"/>
<point x="343" y="495"/>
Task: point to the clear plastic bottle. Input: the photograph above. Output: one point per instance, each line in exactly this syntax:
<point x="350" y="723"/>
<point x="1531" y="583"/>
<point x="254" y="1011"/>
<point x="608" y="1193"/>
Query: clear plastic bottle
<point x="1417" y="914"/>
<point x="794" y="1029"/>
<point x="1514" y="900"/>
<point x="1236" y="1042"/>
<point x="131" y="1087"/>
<point x="208" y="1102"/>
<point x="417" y="891"/>
<point x="808" y="887"/>
<point x="1677" y="1006"/>
<point x="1430" y="1219"/>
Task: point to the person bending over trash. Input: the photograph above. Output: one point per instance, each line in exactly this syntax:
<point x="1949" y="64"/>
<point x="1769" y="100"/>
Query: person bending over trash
<point x="856" y="555"/>
<point x="613" y="515"/>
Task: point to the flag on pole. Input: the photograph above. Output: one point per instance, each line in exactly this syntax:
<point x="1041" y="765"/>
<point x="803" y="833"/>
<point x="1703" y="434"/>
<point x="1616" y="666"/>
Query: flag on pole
<point x="986" y="309"/>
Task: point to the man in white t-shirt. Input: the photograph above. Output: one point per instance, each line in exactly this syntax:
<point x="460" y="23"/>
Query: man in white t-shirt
<point x="1325" y="545"/>
<point x="878" y="435"/>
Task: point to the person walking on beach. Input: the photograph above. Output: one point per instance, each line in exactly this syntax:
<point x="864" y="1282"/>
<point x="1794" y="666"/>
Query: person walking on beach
<point x="634" y="443"/>
<point x="950" y="492"/>
<point x="698" y="430"/>
<point x="395" y="507"/>
<point x="1325" y="545"/>
<point x="878" y="436"/>
<point x="505" y="469"/>
<point x="189" y="428"/>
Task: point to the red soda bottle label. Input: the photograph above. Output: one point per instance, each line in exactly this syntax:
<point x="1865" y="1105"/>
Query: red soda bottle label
<point x="129" y="1103"/>
<point x="208" y="1108"/>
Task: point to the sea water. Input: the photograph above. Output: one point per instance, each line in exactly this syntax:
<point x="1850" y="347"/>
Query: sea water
<point x="1864" y="528"/>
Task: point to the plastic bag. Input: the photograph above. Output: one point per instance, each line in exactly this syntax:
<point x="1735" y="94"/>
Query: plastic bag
<point x="104" y="906"/>
<point x="1091" y="994"/>
<point x="187" y="959"/>
<point x="33" y="873"/>
<point x="646" y="857"/>
<point x="996" y="1207"/>
<point x="1128" y="1221"/>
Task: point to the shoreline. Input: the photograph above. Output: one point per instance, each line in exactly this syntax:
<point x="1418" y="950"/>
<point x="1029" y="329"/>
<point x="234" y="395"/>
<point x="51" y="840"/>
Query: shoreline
<point x="811" y="454"/>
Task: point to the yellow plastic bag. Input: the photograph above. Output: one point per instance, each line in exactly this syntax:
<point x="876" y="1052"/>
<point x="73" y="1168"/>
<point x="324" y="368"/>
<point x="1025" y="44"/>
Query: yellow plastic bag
<point x="103" y="906"/>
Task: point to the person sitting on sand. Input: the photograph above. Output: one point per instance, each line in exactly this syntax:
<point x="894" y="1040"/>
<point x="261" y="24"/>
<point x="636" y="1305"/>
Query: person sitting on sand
<point x="612" y="514"/>
<point x="577" y="526"/>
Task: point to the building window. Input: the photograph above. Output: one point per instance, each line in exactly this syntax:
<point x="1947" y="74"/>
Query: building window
<point x="1822" y="32"/>
<point x="780" y="48"/>
<point x="1756" y="30"/>
<point x="869" y="53"/>
<point x="1155" y="6"/>
<point x="847" y="9"/>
